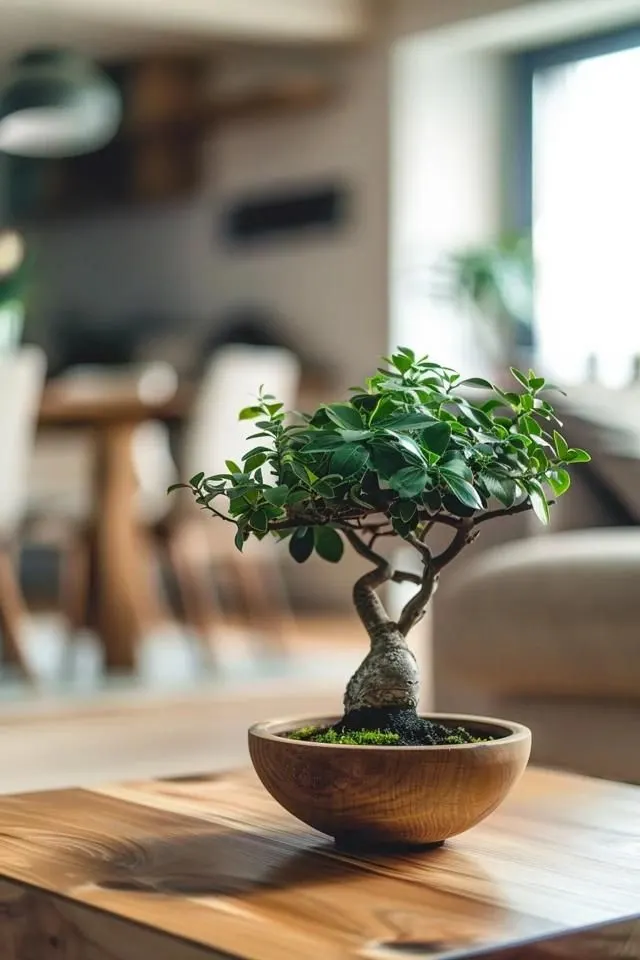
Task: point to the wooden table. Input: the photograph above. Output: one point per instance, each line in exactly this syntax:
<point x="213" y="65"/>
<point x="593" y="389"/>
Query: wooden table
<point x="210" y="867"/>
<point x="121" y="605"/>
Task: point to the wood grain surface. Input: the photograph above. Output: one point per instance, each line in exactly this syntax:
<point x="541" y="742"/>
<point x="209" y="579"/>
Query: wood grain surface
<point x="209" y="867"/>
<point x="366" y="796"/>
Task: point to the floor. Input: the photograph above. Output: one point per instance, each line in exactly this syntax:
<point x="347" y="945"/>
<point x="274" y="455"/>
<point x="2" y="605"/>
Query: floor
<point x="175" y="717"/>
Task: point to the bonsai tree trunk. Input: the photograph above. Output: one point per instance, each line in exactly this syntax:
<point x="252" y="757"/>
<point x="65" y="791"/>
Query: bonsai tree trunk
<point x="388" y="675"/>
<point x="383" y="693"/>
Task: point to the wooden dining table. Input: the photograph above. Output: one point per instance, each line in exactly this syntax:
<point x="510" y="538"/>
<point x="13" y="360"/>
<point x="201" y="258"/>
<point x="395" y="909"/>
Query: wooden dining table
<point x="122" y="602"/>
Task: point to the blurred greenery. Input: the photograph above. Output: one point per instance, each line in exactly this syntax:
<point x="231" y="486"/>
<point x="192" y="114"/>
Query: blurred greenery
<point x="495" y="280"/>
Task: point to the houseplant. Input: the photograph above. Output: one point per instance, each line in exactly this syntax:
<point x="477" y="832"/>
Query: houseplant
<point x="407" y="453"/>
<point x="493" y="283"/>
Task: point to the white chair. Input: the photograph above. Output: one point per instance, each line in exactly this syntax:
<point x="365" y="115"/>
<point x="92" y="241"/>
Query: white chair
<point x="21" y="381"/>
<point x="195" y="540"/>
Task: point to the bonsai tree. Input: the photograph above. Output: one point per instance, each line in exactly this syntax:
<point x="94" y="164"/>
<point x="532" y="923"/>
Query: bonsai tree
<point x="407" y="453"/>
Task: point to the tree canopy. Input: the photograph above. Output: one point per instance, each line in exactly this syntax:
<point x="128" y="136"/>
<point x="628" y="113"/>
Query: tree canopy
<point x="407" y="451"/>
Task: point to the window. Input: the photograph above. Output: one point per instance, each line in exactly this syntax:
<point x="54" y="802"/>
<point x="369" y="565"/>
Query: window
<point x="581" y="196"/>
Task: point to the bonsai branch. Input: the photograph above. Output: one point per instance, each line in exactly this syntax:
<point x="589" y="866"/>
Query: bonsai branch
<point x="464" y="535"/>
<point x="403" y="576"/>
<point x="415" y="609"/>
<point x="521" y="507"/>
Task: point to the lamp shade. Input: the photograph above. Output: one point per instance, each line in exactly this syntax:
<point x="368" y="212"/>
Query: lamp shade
<point x="55" y="103"/>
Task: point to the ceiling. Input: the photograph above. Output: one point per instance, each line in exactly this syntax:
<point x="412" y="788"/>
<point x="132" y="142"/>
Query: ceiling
<point x="120" y="27"/>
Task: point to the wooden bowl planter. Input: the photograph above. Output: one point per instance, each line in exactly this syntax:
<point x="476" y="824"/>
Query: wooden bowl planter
<point x="373" y="795"/>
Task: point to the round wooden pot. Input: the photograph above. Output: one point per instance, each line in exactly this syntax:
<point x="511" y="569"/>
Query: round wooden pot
<point x="365" y="796"/>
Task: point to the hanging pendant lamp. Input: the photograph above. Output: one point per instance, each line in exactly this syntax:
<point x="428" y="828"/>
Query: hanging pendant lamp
<point x="55" y="103"/>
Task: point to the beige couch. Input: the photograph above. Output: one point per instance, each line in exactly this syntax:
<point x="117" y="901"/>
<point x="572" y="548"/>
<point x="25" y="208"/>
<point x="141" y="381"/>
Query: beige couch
<point x="545" y="629"/>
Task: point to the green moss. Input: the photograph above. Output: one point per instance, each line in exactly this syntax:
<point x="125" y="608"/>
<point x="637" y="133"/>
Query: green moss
<point x="460" y="735"/>
<point x="382" y="738"/>
<point x="304" y="733"/>
<point x="354" y="738"/>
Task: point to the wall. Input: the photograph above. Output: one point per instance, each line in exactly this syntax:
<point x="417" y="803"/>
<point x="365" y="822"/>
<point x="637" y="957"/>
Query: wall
<point x="447" y="190"/>
<point x="331" y="289"/>
<point x="416" y="16"/>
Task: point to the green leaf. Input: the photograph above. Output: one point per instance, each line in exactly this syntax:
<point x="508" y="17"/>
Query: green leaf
<point x="576" y="455"/>
<point x="259" y="521"/>
<point x="349" y="459"/>
<point x="177" y="486"/>
<point x="502" y="488"/>
<point x="492" y="405"/>
<point x="407" y="510"/>
<point x="231" y="467"/>
<point x="513" y="399"/>
<point x="324" y="443"/>
<point x="408" y="352"/>
<point x="408" y="421"/>
<point x="529" y="425"/>
<point x="456" y="466"/>
<point x="344" y="415"/>
<point x="432" y="499"/>
<point x="522" y="379"/>
<point x="239" y="540"/>
<point x="555" y="388"/>
<point x="476" y="415"/>
<point x="401" y="527"/>
<point x="538" y="501"/>
<point x="297" y="496"/>
<point x="536" y="383"/>
<point x="302" y="473"/>
<point x="401" y="362"/>
<point x="463" y="490"/>
<point x="199" y="477"/>
<point x="384" y="408"/>
<point x="436" y="437"/>
<point x="409" y="482"/>
<point x="478" y="383"/>
<point x="328" y="544"/>
<point x="255" y="450"/>
<point x="249" y="413"/>
<point x="277" y="495"/>
<point x="301" y="544"/>
<point x="355" y="436"/>
<point x="559" y="481"/>
<point x="408" y="446"/>
<point x="255" y="461"/>
<point x="324" y="489"/>
<point x="540" y="459"/>
<point x="561" y="445"/>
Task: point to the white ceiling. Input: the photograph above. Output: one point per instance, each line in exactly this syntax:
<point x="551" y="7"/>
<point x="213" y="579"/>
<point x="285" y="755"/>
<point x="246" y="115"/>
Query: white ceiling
<point x="118" y="27"/>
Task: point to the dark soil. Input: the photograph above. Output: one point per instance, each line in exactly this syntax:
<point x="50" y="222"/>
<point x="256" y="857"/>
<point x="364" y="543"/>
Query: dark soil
<point x="412" y="730"/>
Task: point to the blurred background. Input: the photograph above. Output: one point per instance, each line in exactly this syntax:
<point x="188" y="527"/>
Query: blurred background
<point x="199" y="198"/>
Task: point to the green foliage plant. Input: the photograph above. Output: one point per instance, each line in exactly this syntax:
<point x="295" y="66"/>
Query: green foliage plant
<point x="410" y="451"/>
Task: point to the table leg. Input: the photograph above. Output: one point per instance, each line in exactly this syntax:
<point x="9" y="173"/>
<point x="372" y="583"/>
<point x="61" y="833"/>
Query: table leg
<point x="12" y="615"/>
<point x="124" y="599"/>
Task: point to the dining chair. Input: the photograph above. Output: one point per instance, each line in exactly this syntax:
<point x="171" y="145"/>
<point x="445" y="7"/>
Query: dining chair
<point x="21" y="381"/>
<point x="61" y="505"/>
<point x="196" y="542"/>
